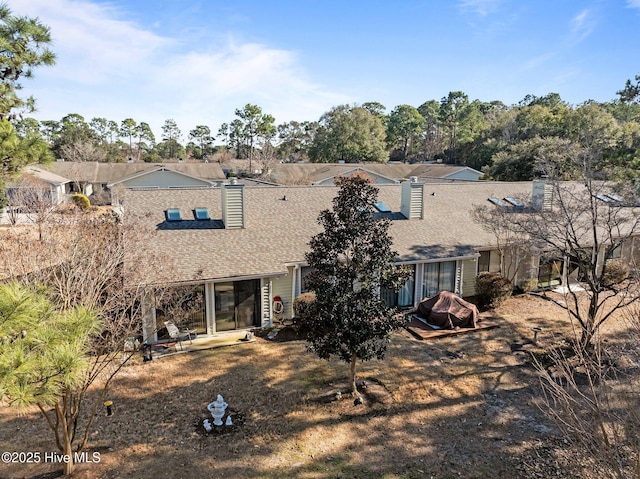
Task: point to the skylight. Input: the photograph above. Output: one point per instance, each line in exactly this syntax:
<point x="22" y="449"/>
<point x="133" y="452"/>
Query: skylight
<point x="497" y="202"/>
<point x="615" y="198"/>
<point x="602" y="198"/>
<point x="514" y="202"/>
<point x="173" y="214"/>
<point x="381" y="207"/>
<point x="201" y="213"/>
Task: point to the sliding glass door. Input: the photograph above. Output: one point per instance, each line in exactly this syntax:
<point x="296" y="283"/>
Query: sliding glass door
<point x="237" y="305"/>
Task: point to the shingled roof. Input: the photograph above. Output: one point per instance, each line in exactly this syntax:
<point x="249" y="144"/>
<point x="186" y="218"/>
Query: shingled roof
<point x="280" y="221"/>
<point x="94" y="172"/>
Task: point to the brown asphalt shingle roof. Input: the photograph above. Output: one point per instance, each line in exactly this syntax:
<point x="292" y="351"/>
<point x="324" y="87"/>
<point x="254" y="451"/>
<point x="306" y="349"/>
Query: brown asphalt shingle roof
<point x="278" y="231"/>
<point x="94" y="172"/>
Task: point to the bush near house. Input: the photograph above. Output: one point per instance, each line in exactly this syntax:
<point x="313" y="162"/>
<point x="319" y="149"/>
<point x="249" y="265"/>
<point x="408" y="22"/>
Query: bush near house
<point x="492" y="289"/>
<point x="616" y="271"/>
<point x="302" y="306"/>
<point x="81" y="201"/>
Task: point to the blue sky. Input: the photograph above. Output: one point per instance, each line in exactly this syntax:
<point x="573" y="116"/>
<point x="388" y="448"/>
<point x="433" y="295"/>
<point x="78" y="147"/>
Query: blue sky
<point x="197" y="61"/>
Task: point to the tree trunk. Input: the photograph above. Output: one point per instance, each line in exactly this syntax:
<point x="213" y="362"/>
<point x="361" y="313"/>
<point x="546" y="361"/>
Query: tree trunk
<point x="352" y="375"/>
<point x="66" y="439"/>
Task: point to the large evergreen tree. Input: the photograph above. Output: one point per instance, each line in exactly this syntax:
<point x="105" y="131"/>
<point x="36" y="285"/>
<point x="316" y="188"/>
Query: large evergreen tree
<point x="351" y="260"/>
<point x="23" y="46"/>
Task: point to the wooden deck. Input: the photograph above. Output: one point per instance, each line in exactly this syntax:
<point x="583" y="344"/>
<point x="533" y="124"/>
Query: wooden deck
<point x="423" y="332"/>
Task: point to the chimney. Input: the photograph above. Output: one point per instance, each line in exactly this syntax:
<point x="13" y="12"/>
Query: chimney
<point x="412" y="205"/>
<point x="542" y="195"/>
<point x="233" y="204"/>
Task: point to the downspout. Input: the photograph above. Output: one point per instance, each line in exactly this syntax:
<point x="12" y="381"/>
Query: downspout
<point x="270" y="295"/>
<point x="294" y="287"/>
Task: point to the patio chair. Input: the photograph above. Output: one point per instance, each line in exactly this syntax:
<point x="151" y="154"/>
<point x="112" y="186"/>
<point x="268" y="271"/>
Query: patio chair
<point x="179" y="335"/>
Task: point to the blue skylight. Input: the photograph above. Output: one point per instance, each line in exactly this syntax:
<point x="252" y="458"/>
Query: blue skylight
<point x="201" y="213"/>
<point x="514" y="202"/>
<point x="497" y="202"/>
<point x="381" y="207"/>
<point x="173" y="214"/>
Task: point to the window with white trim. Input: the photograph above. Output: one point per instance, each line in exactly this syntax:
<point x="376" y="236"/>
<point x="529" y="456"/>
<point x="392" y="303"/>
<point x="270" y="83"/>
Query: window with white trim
<point x="438" y="277"/>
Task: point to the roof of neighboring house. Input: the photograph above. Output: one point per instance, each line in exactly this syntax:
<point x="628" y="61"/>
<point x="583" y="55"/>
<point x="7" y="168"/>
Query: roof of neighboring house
<point x="311" y="173"/>
<point x="162" y="168"/>
<point x="94" y="172"/>
<point x="441" y="171"/>
<point x="40" y="173"/>
<point x="332" y="171"/>
<point x="277" y="230"/>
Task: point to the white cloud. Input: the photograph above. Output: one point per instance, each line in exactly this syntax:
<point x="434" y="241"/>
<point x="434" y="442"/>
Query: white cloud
<point x="481" y="7"/>
<point x="582" y="25"/>
<point x="111" y="67"/>
<point x="633" y="3"/>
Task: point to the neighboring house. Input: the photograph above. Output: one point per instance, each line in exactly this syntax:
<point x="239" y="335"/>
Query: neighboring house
<point x="93" y="178"/>
<point x="441" y="171"/>
<point x="327" y="176"/>
<point x="38" y="183"/>
<point x="159" y="177"/>
<point x="380" y="173"/>
<point x="236" y="247"/>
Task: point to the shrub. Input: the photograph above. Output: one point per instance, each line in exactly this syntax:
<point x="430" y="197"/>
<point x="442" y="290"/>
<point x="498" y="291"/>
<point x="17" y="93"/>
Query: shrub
<point x="81" y="201"/>
<point x="303" y="307"/>
<point x="492" y="289"/>
<point x="529" y="285"/>
<point x="616" y="271"/>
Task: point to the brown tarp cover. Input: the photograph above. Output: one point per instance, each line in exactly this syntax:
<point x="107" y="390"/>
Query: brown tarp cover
<point x="448" y="311"/>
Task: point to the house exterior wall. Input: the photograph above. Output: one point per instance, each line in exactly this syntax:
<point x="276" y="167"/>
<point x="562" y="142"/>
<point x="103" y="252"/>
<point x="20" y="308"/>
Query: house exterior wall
<point x="465" y="175"/>
<point x="163" y="179"/>
<point x="378" y="180"/>
<point x="469" y="273"/>
<point x="283" y="287"/>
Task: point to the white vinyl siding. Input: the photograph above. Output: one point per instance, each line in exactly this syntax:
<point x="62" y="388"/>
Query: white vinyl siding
<point x="468" y="277"/>
<point x="282" y="287"/>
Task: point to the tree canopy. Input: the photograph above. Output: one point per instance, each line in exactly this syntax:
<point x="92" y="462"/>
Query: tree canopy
<point x="350" y="134"/>
<point x="23" y="46"/>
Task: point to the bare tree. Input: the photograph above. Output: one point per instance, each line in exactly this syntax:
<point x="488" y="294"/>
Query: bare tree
<point x="512" y="245"/>
<point x="34" y="198"/>
<point x="593" y="399"/>
<point x="91" y="262"/>
<point x="83" y="151"/>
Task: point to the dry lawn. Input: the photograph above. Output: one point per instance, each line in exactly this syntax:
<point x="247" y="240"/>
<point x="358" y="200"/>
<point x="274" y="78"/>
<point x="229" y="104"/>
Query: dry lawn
<point x="462" y="406"/>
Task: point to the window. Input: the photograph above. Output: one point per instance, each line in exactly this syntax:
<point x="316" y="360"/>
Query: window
<point x="173" y="214"/>
<point x="201" y="213"/>
<point x="614" y="252"/>
<point x="438" y="277"/>
<point x="549" y="271"/>
<point x="304" y="272"/>
<point x="484" y="261"/>
<point x="404" y="296"/>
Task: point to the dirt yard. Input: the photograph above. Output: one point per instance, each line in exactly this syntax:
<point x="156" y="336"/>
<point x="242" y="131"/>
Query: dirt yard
<point x="464" y="406"/>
